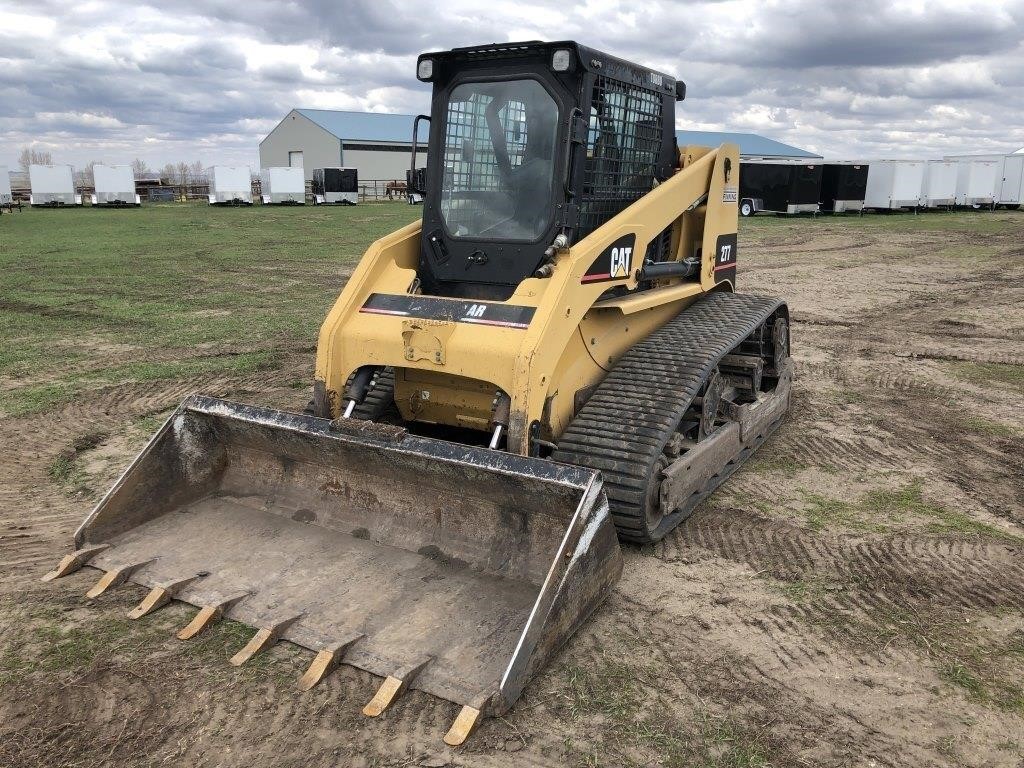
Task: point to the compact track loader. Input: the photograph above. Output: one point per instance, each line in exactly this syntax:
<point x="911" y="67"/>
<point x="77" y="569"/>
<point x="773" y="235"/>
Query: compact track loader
<point x="553" y="360"/>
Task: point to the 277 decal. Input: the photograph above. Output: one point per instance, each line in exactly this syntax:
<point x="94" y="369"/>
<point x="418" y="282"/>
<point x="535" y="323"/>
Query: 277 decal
<point x="725" y="257"/>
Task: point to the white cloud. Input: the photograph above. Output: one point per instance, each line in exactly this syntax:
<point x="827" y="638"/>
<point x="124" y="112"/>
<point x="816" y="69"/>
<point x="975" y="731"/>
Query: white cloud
<point x="99" y="80"/>
<point x="68" y="120"/>
<point x="21" y="25"/>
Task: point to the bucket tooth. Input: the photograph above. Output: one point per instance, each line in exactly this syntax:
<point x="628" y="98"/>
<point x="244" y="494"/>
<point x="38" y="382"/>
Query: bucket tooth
<point x="209" y="614"/>
<point x="265" y="638"/>
<point x="159" y="596"/>
<point x="325" y="662"/>
<point x="467" y="720"/>
<point x="464" y="725"/>
<point x="74" y="561"/>
<point x="115" y="577"/>
<point x="393" y="686"/>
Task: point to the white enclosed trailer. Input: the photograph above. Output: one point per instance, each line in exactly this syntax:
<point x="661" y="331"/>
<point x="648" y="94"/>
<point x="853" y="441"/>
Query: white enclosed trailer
<point x="894" y="184"/>
<point x="938" y="188"/>
<point x="977" y="179"/>
<point x="1011" y="185"/>
<point x="5" y="186"/>
<point x="115" y="186"/>
<point x="283" y="186"/>
<point x="52" y="185"/>
<point x="1005" y="171"/>
<point x="230" y="185"/>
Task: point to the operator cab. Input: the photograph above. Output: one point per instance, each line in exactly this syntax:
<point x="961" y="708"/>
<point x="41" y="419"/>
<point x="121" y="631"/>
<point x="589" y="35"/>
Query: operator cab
<point x="529" y="142"/>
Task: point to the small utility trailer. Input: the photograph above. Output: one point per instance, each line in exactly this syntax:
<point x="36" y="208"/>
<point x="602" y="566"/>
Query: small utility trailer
<point x="115" y="186"/>
<point x="283" y="186"/>
<point x="53" y="186"/>
<point x="779" y="186"/>
<point x="335" y="186"/>
<point x="842" y="186"/>
<point x="938" y="187"/>
<point x="894" y="184"/>
<point x="230" y="185"/>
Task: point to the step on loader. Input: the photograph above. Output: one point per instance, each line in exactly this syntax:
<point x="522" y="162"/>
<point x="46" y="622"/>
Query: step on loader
<point x="552" y="361"/>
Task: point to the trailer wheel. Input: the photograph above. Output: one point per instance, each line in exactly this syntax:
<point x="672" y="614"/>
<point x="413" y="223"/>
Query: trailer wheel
<point x="746" y="208"/>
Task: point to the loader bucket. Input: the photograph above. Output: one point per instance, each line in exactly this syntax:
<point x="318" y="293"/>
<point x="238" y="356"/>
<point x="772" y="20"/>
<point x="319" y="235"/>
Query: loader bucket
<point x="455" y="570"/>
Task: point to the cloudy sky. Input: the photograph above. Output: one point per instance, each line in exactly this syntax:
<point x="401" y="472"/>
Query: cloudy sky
<point x="168" y="81"/>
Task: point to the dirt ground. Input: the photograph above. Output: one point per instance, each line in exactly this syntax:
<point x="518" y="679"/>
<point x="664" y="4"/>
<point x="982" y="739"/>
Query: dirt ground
<point x="852" y="597"/>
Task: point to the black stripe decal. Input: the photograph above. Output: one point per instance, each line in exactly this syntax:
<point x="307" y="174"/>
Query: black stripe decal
<point x="452" y="310"/>
<point x="613" y="263"/>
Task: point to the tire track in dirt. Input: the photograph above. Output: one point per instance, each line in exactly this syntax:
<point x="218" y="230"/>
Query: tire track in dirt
<point x="903" y="381"/>
<point x="765" y="672"/>
<point x="968" y="573"/>
<point x="844" y="244"/>
<point x="821" y="450"/>
<point x="938" y="353"/>
<point x="29" y="446"/>
<point x="105" y="410"/>
<point x="812" y="370"/>
<point x="782" y="651"/>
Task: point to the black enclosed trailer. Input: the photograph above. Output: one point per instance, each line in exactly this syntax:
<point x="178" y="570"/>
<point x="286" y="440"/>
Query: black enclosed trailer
<point x="416" y="185"/>
<point x="842" y="186"/>
<point x="779" y="186"/>
<point x="335" y="186"/>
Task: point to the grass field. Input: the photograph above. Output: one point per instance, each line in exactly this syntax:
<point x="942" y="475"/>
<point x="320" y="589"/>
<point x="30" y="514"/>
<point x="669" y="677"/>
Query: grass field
<point x="190" y="288"/>
<point x="196" y="289"/>
<point x="852" y="596"/>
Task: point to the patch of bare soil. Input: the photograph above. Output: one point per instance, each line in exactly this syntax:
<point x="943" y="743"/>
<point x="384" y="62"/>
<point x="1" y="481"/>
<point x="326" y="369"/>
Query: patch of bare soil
<point x="852" y="596"/>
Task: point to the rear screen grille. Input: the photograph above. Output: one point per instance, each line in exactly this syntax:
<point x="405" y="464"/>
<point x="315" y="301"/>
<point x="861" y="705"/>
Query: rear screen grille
<point x="623" y="149"/>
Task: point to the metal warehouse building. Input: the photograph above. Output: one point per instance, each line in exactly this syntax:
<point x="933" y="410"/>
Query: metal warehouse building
<point x="378" y="144"/>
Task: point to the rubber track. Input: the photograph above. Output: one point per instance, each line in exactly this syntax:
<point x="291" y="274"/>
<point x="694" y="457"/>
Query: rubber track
<point x="647" y="393"/>
<point x="379" y="401"/>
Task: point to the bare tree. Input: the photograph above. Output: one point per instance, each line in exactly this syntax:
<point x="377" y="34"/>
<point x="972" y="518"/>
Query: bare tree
<point x="181" y="173"/>
<point x="169" y="173"/>
<point x="85" y="177"/>
<point x="197" y="172"/>
<point x="30" y="156"/>
<point x="139" y="167"/>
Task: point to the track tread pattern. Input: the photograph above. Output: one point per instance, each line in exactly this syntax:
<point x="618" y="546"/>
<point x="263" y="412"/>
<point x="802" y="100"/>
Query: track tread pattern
<point x="653" y="385"/>
<point x="379" y="401"/>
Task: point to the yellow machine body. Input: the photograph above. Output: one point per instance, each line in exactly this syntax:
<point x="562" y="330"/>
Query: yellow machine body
<point x="448" y="372"/>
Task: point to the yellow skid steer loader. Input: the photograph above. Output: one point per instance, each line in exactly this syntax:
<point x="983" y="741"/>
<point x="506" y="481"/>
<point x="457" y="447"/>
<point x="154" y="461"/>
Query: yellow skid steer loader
<point x="554" y="359"/>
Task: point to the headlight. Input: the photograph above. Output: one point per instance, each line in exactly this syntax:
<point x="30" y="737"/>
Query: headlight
<point x="425" y="69"/>
<point x="561" y="59"/>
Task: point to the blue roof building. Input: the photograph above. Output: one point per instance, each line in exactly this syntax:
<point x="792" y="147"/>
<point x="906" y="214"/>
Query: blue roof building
<point x="751" y="145"/>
